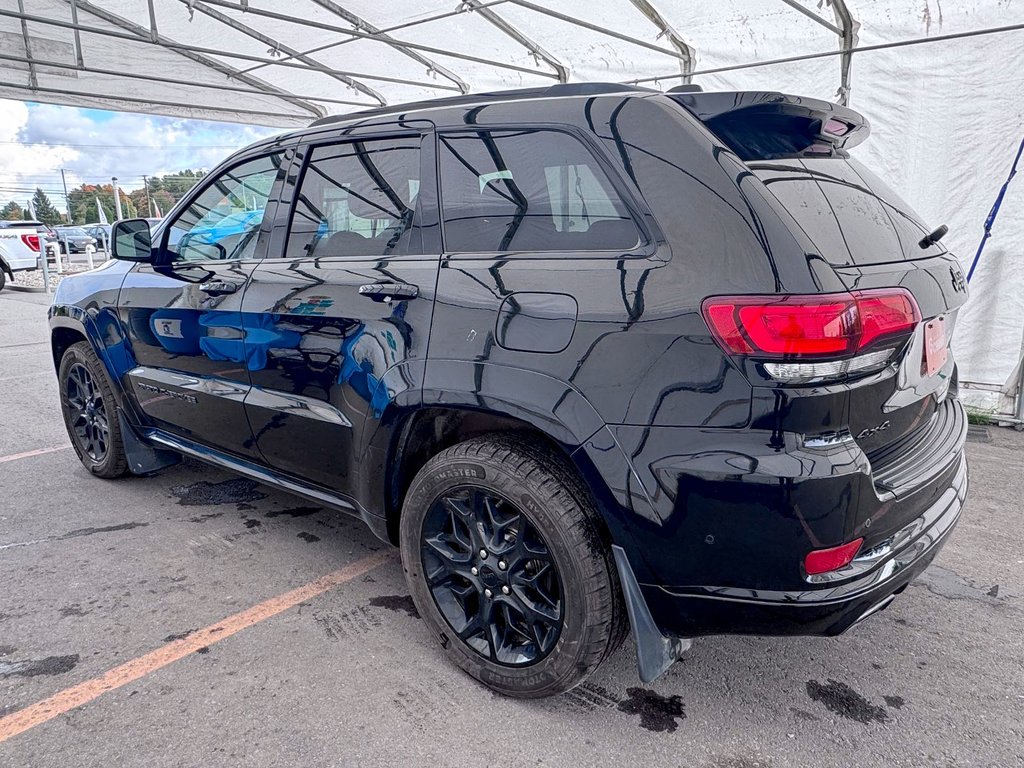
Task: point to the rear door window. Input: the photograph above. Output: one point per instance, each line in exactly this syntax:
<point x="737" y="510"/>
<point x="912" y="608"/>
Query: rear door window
<point x="528" y="190"/>
<point x="358" y="198"/>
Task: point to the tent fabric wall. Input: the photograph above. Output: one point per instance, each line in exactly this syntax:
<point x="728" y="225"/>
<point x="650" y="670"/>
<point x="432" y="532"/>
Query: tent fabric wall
<point x="946" y="116"/>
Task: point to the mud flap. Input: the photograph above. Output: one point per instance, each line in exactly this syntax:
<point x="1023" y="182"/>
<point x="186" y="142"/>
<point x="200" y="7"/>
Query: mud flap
<point x="655" y="653"/>
<point x="143" y="458"/>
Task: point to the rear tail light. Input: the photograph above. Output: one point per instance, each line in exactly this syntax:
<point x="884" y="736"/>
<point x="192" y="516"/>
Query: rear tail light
<point x="816" y="336"/>
<point x="826" y="560"/>
<point x="32" y="241"/>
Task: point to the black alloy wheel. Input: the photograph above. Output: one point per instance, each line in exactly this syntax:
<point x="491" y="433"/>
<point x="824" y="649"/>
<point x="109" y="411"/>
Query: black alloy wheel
<point x="509" y="565"/>
<point x="88" y="413"/>
<point x="492" y="576"/>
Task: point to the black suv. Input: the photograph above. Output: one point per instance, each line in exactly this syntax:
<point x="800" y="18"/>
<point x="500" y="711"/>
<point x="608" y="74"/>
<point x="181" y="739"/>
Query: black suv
<point x="597" y="358"/>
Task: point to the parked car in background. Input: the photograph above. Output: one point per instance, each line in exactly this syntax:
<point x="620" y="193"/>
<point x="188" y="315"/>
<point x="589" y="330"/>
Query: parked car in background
<point x="101" y="232"/>
<point x="74" y="239"/>
<point x="20" y="242"/>
<point x="594" y="356"/>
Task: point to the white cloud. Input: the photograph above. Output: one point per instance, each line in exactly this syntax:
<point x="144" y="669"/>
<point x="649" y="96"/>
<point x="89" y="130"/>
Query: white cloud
<point x="37" y="140"/>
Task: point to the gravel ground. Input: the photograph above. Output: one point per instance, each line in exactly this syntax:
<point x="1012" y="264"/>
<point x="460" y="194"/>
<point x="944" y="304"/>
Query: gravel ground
<point x="95" y="574"/>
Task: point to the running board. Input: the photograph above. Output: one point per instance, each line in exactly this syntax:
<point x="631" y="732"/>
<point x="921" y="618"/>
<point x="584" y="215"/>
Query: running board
<point x="655" y="653"/>
<point x="249" y="469"/>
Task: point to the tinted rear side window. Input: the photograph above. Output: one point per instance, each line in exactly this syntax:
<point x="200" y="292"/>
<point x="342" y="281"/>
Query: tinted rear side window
<point x="528" y="190"/>
<point x="847" y="212"/>
<point x="358" y="199"/>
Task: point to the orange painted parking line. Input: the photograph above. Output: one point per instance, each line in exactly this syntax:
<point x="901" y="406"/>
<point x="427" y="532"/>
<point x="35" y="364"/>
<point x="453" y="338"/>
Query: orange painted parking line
<point x="66" y="700"/>
<point x="36" y="452"/>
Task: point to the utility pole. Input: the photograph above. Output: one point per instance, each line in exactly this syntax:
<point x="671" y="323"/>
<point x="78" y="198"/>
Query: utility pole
<point x="117" y="198"/>
<point x="67" y="200"/>
<point x="149" y="203"/>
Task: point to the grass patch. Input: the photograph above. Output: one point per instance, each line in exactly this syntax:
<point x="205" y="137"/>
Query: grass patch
<point x="981" y="416"/>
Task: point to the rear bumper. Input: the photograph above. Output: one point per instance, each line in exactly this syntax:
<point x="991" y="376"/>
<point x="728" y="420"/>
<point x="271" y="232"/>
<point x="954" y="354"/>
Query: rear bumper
<point x="821" y="609"/>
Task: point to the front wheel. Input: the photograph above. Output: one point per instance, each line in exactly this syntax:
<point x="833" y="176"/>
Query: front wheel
<point x="506" y="562"/>
<point x="90" y="415"/>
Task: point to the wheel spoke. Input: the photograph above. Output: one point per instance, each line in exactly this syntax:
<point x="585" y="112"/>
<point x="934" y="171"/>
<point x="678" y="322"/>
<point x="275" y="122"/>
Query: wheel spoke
<point x="491" y="576"/>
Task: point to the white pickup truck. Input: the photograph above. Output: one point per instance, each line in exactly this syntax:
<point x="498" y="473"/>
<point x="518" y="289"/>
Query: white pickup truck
<point x="20" y="242"/>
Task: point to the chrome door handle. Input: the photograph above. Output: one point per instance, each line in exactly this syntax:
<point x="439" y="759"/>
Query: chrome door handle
<point x="218" y="287"/>
<point x="389" y="291"/>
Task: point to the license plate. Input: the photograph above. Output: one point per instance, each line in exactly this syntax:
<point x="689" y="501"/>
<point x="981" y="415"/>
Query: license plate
<point x="936" y="351"/>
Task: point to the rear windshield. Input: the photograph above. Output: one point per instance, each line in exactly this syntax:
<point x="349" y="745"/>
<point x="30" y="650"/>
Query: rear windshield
<point x="850" y="214"/>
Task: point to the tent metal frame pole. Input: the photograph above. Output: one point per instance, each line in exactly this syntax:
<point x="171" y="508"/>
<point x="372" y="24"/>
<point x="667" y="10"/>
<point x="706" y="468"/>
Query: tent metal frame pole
<point x="229" y="71"/>
<point x="255" y="34"/>
<point x="814" y="17"/>
<point x="33" y="80"/>
<point x="511" y="31"/>
<point x="173" y="81"/>
<point x="386" y="30"/>
<point x="596" y="28"/>
<point x="849" y="39"/>
<point x="362" y="24"/>
<point x="79" y="57"/>
<point x="827" y="54"/>
<point x="154" y="33"/>
<point x="140" y="34"/>
<point x="159" y="102"/>
<point x="689" y="53"/>
<point x="370" y="36"/>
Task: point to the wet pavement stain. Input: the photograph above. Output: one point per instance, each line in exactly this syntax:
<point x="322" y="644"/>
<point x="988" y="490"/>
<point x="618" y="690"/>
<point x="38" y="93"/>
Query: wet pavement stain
<point x="206" y="494"/>
<point x="844" y="701"/>
<point x="250" y="523"/>
<point x="72" y="610"/>
<point x="894" y="702"/>
<point x="307" y="537"/>
<point x="657" y="712"/>
<point x="802" y="714"/>
<point x="104" y="529"/>
<point x="396" y="603"/>
<point x="178" y="636"/>
<point x="204" y="518"/>
<point x="994" y="592"/>
<point x="294" y="512"/>
<point x="51" y="665"/>
<point x="7" y="650"/>
<point x="243" y="507"/>
<point x="204" y="649"/>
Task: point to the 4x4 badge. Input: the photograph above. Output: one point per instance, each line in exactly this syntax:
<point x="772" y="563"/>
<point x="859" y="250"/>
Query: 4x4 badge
<point x="872" y="430"/>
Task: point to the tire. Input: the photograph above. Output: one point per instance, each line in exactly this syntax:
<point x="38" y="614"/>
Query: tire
<point x="550" y="512"/>
<point x="84" y="382"/>
<point x="3" y="279"/>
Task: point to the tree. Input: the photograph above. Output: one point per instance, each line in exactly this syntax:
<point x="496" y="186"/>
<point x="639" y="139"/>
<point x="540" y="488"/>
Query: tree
<point x="82" y="202"/>
<point x="46" y="212"/>
<point x="12" y="212"/>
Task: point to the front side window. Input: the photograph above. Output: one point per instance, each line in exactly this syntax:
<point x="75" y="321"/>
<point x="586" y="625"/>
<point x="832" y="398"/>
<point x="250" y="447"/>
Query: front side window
<point x="528" y="190"/>
<point x="358" y="199"/>
<point x="223" y="222"/>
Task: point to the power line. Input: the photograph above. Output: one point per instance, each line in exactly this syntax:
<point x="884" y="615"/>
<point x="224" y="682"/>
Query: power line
<point x="58" y="145"/>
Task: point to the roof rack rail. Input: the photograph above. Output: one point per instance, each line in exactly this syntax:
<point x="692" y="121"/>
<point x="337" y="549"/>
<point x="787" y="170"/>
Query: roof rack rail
<point x="561" y="89"/>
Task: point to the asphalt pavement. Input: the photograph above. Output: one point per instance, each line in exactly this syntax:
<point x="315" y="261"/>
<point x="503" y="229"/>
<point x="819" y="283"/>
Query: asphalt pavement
<point x="195" y="618"/>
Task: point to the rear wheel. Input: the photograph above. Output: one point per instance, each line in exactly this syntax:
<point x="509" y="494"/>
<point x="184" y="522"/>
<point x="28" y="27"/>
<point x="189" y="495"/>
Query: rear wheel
<point x="87" y="402"/>
<point x="506" y="563"/>
<point x="3" y="279"/>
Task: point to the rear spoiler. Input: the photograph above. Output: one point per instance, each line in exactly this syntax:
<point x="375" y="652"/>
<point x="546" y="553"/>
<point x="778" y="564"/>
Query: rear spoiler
<point x="767" y="125"/>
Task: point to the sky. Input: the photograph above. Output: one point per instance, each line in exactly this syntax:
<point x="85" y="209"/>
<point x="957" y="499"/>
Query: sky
<point x="92" y="145"/>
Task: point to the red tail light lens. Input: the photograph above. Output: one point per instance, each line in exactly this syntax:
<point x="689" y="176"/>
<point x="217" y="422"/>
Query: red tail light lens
<point x="32" y="241"/>
<point x="825" y="560"/>
<point x="828" y="325"/>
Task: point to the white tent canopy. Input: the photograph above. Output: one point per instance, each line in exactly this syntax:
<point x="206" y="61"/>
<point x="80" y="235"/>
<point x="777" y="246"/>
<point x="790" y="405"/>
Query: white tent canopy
<point x="947" y="114"/>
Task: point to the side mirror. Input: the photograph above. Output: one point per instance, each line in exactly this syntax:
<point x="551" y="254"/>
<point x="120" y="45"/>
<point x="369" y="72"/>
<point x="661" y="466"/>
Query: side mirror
<point x="131" y="240"/>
